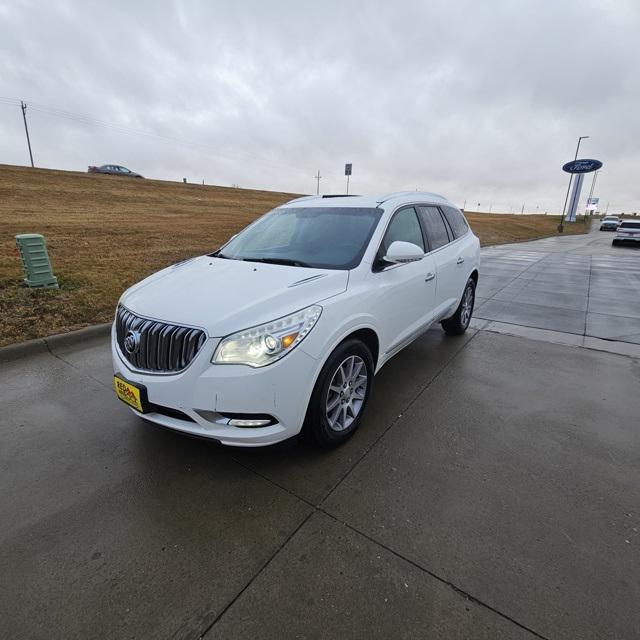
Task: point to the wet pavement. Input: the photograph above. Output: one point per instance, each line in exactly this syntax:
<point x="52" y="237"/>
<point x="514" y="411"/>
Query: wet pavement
<point x="574" y="284"/>
<point x="493" y="491"/>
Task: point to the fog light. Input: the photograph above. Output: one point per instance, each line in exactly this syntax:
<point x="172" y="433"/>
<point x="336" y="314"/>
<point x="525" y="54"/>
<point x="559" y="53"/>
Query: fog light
<point x="238" y="422"/>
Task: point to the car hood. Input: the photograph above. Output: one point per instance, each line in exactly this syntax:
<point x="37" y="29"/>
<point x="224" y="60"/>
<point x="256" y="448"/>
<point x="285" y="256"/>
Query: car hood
<point x="224" y="296"/>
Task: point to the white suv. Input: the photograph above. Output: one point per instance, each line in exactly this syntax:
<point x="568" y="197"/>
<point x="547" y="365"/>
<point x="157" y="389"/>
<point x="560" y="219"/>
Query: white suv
<point x="285" y="326"/>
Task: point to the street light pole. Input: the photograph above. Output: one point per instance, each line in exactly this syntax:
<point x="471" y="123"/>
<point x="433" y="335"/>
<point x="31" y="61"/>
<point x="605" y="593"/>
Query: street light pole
<point x="560" y="226"/>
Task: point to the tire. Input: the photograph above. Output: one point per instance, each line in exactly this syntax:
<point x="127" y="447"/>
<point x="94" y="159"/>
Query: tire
<point x="458" y="323"/>
<point x="325" y="426"/>
<point x="614" y="243"/>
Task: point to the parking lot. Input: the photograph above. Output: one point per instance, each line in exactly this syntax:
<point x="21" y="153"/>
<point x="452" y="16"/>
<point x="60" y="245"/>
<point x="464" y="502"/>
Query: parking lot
<point x="577" y="285"/>
<point x="492" y="492"/>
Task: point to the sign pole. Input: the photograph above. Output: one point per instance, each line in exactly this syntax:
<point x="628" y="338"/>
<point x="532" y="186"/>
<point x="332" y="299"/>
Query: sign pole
<point x="589" y="201"/>
<point x="575" y="197"/>
<point x="347" y="172"/>
<point x="560" y="227"/>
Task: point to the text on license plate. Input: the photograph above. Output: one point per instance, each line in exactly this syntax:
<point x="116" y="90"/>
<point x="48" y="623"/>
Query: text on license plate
<point x="128" y="393"/>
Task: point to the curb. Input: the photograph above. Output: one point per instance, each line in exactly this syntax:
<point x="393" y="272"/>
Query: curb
<point x="58" y="341"/>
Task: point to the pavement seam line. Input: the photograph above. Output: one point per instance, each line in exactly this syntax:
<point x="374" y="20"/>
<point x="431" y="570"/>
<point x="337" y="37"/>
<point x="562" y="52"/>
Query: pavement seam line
<point x="274" y="483"/>
<point x="586" y="313"/>
<point x="396" y="420"/>
<point x="84" y="373"/>
<point x="267" y="562"/>
<point x="533" y="264"/>
<point x="440" y="579"/>
<point x="318" y="507"/>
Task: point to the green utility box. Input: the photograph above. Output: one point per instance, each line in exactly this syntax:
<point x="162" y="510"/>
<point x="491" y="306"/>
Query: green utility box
<point x="35" y="260"/>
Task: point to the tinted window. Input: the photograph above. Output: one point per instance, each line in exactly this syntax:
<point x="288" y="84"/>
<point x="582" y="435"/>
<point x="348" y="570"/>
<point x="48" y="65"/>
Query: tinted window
<point x="434" y="226"/>
<point x="630" y="225"/>
<point x="321" y="237"/>
<point x="404" y="227"/>
<point x="456" y="221"/>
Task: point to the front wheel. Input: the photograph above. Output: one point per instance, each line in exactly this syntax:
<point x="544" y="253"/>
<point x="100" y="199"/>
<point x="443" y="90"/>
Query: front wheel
<point x="457" y="324"/>
<point x="340" y="396"/>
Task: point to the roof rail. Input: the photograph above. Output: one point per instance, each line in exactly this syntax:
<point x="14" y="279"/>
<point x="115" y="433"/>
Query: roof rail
<point x="397" y="194"/>
<point x="341" y="195"/>
<point x="301" y="199"/>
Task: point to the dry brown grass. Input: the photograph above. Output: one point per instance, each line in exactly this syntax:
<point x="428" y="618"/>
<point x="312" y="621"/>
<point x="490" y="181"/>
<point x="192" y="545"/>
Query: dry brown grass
<point x="500" y="228"/>
<point x="105" y="233"/>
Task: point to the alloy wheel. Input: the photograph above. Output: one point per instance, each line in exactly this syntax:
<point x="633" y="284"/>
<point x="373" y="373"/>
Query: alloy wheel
<point x="347" y="392"/>
<point x="467" y="306"/>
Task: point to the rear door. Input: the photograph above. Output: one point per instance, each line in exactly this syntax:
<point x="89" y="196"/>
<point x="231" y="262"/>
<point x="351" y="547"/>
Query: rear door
<point x="439" y="237"/>
<point x="404" y="294"/>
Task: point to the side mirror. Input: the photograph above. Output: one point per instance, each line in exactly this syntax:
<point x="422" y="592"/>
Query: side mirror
<point x="400" y="252"/>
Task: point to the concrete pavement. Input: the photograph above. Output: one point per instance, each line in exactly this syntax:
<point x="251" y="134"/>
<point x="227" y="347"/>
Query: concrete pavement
<point x="579" y="285"/>
<point x="493" y="492"/>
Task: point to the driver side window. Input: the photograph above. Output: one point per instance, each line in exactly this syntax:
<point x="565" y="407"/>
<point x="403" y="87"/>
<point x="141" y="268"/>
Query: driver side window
<point x="405" y="227"/>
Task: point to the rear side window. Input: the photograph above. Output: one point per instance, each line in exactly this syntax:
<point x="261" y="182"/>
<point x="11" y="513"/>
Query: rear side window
<point x="405" y="227"/>
<point x="434" y="227"/>
<point x="456" y="221"/>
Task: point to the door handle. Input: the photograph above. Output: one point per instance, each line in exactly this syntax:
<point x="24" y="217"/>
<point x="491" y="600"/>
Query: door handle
<point x="460" y="260"/>
<point x="430" y="276"/>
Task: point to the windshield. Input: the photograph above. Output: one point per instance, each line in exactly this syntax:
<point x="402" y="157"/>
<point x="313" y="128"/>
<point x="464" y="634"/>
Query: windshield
<point x="319" y="237"/>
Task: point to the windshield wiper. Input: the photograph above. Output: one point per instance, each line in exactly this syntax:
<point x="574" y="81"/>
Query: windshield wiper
<point x="219" y="254"/>
<point x="284" y="261"/>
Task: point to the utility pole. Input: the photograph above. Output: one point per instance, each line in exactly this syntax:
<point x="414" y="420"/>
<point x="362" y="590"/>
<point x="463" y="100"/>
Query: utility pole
<point x="464" y="206"/>
<point x="522" y="210"/>
<point x="23" y="106"/>
<point x="317" y="178"/>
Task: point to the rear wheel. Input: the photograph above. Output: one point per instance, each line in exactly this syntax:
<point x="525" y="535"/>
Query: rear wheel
<point x="457" y="324"/>
<point x="340" y="396"/>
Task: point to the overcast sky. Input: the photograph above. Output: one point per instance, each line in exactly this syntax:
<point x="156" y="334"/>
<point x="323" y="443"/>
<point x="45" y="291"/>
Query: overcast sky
<point x="478" y="101"/>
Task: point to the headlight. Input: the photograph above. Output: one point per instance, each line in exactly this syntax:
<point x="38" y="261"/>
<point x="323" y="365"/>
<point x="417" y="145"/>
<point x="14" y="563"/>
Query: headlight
<point x="266" y="343"/>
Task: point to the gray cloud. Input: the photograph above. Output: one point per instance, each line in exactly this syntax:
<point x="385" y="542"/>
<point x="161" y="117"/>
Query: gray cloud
<point x="479" y="101"/>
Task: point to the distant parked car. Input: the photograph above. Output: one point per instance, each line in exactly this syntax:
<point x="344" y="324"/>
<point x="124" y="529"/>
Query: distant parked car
<point x="628" y="231"/>
<point x="609" y="223"/>
<point x="114" y="170"/>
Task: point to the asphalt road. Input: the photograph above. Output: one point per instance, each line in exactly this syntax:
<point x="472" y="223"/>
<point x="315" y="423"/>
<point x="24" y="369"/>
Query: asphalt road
<point x="493" y="492"/>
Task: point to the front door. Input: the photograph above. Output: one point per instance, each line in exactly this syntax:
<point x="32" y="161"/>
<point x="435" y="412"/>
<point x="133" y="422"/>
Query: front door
<point x="404" y="293"/>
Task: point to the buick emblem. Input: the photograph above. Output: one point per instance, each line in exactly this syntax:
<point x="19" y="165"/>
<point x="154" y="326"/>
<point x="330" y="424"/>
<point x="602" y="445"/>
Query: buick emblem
<point x="132" y="341"/>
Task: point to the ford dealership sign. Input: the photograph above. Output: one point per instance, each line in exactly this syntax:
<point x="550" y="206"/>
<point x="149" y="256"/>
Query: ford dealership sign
<point x="582" y="166"/>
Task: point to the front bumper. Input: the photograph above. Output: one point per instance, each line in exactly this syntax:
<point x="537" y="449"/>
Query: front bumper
<point x="203" y="392"/>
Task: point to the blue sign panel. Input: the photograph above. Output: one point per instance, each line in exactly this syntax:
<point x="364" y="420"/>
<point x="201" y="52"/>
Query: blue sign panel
<point x="582" y="166"/>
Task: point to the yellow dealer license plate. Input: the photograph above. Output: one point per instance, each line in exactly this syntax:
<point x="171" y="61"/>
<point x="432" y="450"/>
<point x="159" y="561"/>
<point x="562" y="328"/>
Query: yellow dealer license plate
<point x="128" y="393"/>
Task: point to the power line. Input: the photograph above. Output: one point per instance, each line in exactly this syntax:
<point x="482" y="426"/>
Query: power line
<point x="126" y="130"/>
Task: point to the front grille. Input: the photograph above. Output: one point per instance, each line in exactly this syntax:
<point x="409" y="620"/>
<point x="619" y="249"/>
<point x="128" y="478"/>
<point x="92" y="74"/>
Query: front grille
<point x="156" y="346"/>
